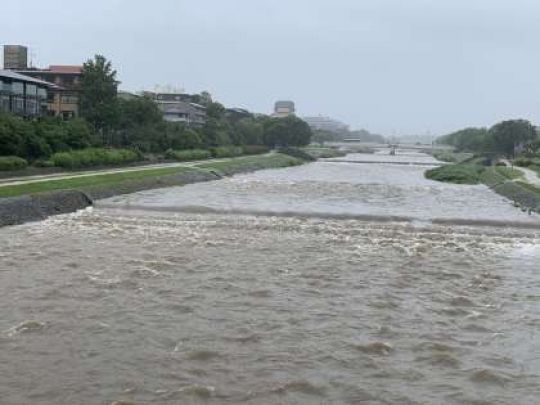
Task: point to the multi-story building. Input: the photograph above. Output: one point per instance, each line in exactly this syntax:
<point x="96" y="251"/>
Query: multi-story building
<point x="177" y="107"/>
<point x="15" y="57"/>
<point x="23" y="95"/>
<point x="283" y="109"/>
<point x="326" y="124"/>
<point x="63" y="100"/>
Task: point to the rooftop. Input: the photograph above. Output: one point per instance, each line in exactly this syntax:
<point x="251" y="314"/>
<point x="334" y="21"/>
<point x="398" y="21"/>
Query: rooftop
<point x="17" y="76"/>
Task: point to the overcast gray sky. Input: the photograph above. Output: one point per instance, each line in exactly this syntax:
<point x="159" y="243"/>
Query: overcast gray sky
<point x="391" y="66"/>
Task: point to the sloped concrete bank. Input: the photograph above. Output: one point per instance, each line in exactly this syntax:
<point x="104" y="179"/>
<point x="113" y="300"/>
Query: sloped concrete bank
<point x="17" y="210"/>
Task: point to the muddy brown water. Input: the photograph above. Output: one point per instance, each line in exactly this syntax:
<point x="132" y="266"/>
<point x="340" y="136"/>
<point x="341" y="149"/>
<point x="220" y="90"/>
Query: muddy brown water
<point x="329" y="283"/>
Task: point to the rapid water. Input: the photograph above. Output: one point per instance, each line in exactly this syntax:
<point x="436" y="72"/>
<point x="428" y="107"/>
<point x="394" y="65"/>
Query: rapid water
<point x="330" y="283"/>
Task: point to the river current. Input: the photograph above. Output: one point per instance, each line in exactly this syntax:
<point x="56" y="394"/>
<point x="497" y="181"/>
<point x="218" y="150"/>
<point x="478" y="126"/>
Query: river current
<point x="354" y="281"/>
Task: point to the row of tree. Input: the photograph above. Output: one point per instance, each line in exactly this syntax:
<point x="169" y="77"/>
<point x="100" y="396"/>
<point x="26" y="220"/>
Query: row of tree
<point x="506" y="139"/>
<point x="139" y="123"/>
<point x="110" y="121"/>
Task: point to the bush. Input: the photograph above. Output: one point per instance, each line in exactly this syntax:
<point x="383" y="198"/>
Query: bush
<point x="186" y="155"/>
<point x="12" y="163"/>
<point x="226" y="151"/>
<point x="94" y="157"/>
<point x="255" y="149"/>
<point x="459" y="174"/>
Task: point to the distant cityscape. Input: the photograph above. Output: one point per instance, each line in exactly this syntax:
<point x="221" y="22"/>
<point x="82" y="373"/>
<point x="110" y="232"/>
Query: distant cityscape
<point x="55" y="91"/>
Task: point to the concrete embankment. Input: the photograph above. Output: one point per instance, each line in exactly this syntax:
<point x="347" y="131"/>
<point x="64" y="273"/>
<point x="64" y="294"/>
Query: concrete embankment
<point x="17" y="210"/>
<point x="34" y="207"/>
<point x="516" y="191"/>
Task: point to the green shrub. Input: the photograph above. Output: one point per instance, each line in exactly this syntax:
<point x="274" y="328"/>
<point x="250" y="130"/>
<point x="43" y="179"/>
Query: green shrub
<point x="226" y="151"/>
<point x="189" y="154"/>
<point x="94" y="157"/>
<point x="459" y="174"/>
<point x="255" y="149"/>
<point x="12" y="163"/>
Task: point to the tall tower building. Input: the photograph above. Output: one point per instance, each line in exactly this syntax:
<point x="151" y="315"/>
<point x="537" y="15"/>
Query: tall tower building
<point x="284" y="109"/>
<point x="15" y="57"/>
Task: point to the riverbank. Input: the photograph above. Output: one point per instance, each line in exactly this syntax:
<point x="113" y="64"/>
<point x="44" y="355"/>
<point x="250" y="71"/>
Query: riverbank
<point x="36" y="200"/>
<point x="510" y="183"/>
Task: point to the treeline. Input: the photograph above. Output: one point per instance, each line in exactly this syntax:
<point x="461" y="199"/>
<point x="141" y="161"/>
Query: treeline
<point x="137" y="124"/>
<point x="506" y="138"/>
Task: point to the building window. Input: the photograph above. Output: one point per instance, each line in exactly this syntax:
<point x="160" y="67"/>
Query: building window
<point x="17" y="88"/>
<point x="4" y="103"/>
<point x="31" y="90"/>
<point x="18" y="105"/>
<point x="31" y="106"/>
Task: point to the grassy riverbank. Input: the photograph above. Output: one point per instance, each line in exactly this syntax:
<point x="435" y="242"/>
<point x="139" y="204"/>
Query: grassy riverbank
<point x="506" y="181"/>
<point x="118" y="181"/>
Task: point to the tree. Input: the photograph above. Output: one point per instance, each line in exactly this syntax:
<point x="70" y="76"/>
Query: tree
<point x="289" y="131"/>
<point x="508" y="135"/>
<point x="248" y="131"/>
<point x="99" y="89"/>
<point x="476" y="140"/>
<point x="138" y="111"/>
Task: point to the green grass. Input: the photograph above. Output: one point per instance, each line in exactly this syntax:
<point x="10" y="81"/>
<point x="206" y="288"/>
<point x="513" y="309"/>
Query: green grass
<point x="458" y="174"/>
<point x="509" y="173"/>
<point x="114" y="179"/>
<point x="86" y="182"/>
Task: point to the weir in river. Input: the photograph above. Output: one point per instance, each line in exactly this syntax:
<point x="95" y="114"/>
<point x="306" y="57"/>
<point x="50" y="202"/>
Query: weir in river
<point x="331" y="282"/>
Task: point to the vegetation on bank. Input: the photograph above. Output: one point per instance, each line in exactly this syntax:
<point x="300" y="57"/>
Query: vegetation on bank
<point x="12" y="163"/>
<point x="187" y="155"/>
<point x="92" y="157"/>
<point x="88" y="182"/>
<point x="505" y="139"/>
<point x="137" y="124"/>
<point x="458" y="174"/>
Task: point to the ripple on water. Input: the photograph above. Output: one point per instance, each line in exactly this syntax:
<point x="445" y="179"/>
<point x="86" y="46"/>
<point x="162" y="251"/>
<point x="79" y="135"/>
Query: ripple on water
<point x="491" y="377"/>
<point x="29" y="326"/>
<point x="376" y="348"/>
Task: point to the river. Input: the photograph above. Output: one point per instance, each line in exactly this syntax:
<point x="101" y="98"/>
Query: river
<point x="336" y="282"/>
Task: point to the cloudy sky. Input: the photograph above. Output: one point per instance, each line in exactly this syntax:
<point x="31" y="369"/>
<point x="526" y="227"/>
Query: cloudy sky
<point x="391" y="66"/>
